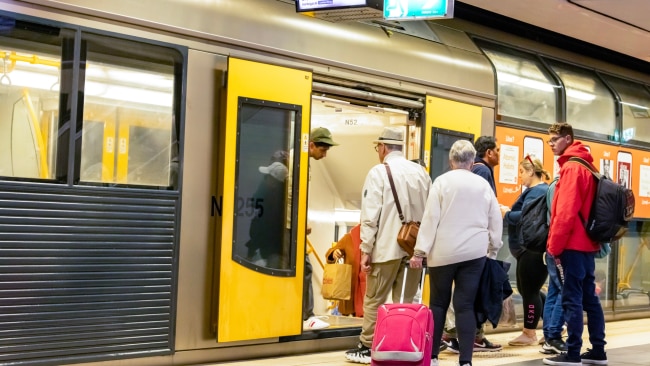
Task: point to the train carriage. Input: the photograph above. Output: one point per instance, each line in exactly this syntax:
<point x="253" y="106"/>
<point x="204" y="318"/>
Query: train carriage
<point x="135" y="138"/>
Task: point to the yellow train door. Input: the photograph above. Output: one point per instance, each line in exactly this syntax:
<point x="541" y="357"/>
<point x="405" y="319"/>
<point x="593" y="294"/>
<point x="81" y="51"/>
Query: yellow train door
<point x="264" y="174"/>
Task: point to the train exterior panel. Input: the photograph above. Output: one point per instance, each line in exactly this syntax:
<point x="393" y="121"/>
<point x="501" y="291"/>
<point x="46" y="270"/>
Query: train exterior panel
<point x="141" y="203"/>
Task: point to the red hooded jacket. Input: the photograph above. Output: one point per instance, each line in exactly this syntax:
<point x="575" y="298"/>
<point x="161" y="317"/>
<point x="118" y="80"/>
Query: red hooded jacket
<point x="573" y="197"/>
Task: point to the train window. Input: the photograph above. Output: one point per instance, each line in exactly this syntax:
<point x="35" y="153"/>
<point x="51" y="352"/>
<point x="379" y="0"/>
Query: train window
<point x="30" y="69"/>
<point x="635" y="104"/>
<point x="262" y="235"/>
<point x="129" y="126"/>
<point x="526" y="91"/>
<point x="589" y="104"/>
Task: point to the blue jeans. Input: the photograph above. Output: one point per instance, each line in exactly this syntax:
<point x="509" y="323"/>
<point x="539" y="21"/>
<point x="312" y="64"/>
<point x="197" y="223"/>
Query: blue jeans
<point x="553" y="314"/>
<point x="578" y="295"/>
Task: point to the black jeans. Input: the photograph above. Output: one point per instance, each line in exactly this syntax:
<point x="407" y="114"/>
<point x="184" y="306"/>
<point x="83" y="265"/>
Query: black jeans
<point x="465" y="277"/>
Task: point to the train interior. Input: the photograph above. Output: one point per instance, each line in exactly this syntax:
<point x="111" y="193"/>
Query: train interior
<point x="336" y="181"/>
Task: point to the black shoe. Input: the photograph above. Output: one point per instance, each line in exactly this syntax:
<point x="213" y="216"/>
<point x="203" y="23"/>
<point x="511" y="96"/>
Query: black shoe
<point x="451" y="344"/>
<point x="484" y="345"/>
<point x="561" y="360"/>
<point x="592" y="357"/>
<point x="554" y="346"/>
<point x="361" y="354"/>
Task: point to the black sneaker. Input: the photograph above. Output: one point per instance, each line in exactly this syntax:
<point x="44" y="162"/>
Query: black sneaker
<point x="561" y="360"/>
<point x="592" y="357"/>
<point x="443" y="346"/>
<point x="554" y="346"/>
<point x="361" y="354"/>
<point x="451" y="344"/>
<point x="484" y="345"/>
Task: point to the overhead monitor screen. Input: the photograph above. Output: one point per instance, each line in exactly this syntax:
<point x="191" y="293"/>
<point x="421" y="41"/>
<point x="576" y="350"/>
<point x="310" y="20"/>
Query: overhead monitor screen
<point x="418" y="9"/>
<point x="309" y="5"/>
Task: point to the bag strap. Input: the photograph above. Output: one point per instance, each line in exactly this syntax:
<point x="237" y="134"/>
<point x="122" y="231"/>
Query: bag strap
<point x="392" y="188"/>
<point x="592" y="170"/>
<point x="584" y="163"/>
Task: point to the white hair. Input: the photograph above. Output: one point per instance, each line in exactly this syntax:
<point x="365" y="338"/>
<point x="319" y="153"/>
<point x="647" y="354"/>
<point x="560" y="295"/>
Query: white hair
<point x="462" y="154"/>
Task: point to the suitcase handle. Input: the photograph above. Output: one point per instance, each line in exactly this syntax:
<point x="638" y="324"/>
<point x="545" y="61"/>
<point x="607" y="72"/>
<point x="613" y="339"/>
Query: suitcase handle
<point x="406" y="270"/>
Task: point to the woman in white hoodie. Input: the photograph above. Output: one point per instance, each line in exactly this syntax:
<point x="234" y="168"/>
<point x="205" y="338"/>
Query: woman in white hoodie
<point x="461" y="224"/>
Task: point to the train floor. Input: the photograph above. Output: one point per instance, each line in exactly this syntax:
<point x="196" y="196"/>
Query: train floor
<point x="628" y="343"/>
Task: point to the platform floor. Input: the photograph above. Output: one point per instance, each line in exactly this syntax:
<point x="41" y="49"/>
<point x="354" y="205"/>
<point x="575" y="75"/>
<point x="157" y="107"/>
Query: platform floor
<point x="628" y="344"/>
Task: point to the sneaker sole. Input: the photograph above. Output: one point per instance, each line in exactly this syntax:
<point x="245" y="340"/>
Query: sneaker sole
<point x="357" y="359"/>
<point x="594" y="362"/>
<point x="546" y="362"/>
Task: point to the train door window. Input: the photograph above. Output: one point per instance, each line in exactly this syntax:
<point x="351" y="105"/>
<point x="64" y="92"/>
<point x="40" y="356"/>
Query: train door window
<point x="635" y="105"/>
<point x="129" y="113"/>
<point x="30" y="70"/>
<point x="262" y="237"/>
<point x="441" y="141"/>
<point x="526" y="91"/>
<point x="590" y="106"/>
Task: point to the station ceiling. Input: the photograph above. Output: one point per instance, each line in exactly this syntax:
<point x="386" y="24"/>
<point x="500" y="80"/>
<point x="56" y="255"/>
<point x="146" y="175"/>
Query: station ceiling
<point x="619" y="25"/>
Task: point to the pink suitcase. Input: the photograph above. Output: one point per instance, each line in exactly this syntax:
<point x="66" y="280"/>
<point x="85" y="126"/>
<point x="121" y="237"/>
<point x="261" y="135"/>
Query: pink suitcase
<point x="403" y="334"/>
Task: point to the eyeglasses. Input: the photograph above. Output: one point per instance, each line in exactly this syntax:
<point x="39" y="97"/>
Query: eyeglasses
<point x="553" y="140"/>
<point x="377" y="147"/>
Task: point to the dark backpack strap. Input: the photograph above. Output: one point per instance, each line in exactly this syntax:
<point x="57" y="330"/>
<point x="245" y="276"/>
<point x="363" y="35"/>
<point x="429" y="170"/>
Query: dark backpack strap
<point x="592" y="170"/>
<point x="392" y="188"/>
<point x="584" y="163"/>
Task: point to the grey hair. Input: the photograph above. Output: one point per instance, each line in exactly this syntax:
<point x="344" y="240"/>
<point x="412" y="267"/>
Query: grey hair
<point x="393" y="147"/>
<point x="462" y="154"/>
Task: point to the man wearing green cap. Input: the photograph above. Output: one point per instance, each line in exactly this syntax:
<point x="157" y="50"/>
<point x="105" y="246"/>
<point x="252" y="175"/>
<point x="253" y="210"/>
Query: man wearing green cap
<point x="320" y="141"/>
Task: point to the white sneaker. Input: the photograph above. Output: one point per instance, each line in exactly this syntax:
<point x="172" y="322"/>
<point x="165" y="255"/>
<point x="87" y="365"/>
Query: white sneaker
<point x="314" y="323"/>
<point x="434" y="362"/>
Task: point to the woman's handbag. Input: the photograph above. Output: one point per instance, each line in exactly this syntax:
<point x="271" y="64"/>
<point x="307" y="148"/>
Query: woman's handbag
<point x="408" y="233"/>
<point x="337" y="281"/>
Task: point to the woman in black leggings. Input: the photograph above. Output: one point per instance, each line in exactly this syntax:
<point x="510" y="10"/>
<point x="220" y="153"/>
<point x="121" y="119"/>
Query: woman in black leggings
<point x="531" y="271"/>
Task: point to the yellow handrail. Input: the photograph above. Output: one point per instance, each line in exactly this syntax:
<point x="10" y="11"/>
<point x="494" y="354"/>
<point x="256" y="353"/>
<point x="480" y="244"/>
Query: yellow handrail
<point x="33" y="59"/>
<point x="44" y="170"/>
<point x="311" y="249"/>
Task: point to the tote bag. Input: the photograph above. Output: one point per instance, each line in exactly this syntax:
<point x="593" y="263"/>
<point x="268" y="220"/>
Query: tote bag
<point x="337" y="281"/>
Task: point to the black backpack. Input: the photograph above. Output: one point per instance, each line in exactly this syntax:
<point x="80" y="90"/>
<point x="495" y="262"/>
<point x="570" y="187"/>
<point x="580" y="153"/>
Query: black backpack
<point x="533" y="225"/>
<point x="612" y="208"/>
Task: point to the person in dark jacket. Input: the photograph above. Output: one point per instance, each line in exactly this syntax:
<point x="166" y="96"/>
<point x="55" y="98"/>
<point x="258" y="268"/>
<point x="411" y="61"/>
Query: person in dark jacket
<point x="487" y="157"/>
<point x="531" y="272"/>
<point x="574" y="251"/>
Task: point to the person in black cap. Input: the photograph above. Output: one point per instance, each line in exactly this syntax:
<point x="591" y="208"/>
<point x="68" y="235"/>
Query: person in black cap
<point x="320" y="141"/>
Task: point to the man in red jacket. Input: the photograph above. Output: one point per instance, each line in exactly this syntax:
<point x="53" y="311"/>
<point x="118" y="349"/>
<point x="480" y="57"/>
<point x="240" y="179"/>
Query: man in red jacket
<point x="574" y="251"/>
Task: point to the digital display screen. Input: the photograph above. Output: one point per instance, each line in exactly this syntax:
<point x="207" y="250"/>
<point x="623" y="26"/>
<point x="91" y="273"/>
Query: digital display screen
<point x="308" y="5"/>
<point x="418" y="9"/>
